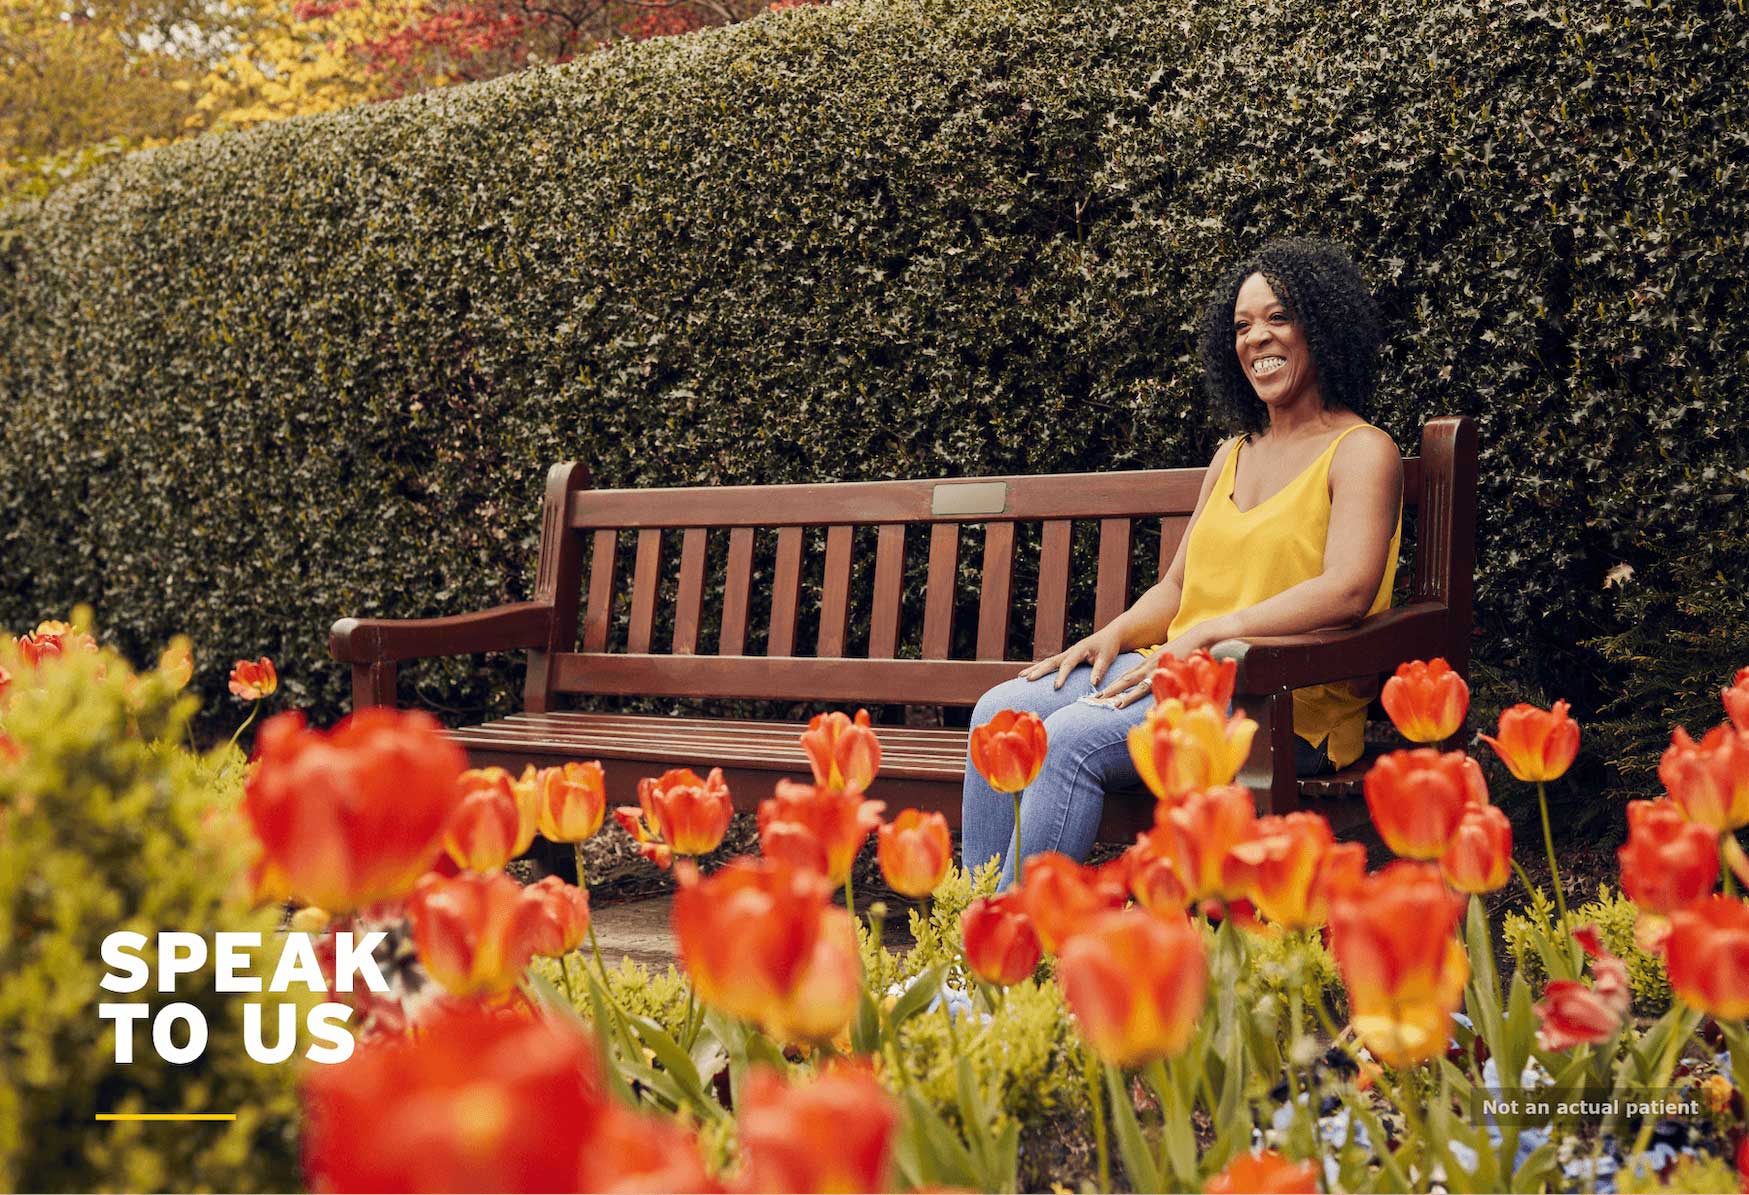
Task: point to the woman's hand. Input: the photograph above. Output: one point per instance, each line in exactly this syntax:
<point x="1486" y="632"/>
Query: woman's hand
<point x="1136" y="683"/>
<point x="1099" y="649"/>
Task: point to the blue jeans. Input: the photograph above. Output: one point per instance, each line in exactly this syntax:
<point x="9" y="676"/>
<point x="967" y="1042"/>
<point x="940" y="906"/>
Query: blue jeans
<point x="1089" y="754"/>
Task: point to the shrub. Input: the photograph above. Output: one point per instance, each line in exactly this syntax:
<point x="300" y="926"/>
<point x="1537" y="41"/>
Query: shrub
<point x="1614" y="915"/>
<point x="319" y="368"/>
<point x="107" y="824"/>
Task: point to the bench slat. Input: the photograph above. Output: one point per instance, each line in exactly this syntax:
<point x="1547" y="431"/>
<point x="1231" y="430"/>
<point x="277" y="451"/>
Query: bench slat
<point x="944" y="559"/>
<point x="1050" y="496"/>
<point x="784" y="586"/>
<point x="646" y="723"/>
<point x="645" y="579"/>
<point x="601" y="569"/>
<point x="993" y="600"/>
<point x="759" y="678"/>
<point x="690" y="595"/>
<point x="835" y="592"/>
<point x="1111" y="592"/>
<point x="1052" y="606"/>
<point x="1172" y="529"/>
<point x="889" y="592"/>
<point x="736" y="585"/>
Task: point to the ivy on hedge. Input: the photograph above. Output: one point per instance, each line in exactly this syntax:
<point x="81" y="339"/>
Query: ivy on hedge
<point x="257" y="381"/>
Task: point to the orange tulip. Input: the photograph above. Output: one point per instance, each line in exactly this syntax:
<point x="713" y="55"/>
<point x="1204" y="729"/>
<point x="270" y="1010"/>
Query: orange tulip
<point x="1182" y="747"/>
<point x="1001" y="945"/>
<point x="1152" y="879"/>
<point x="353" y="815"/>
<point x="678" y="814"/>
<point x="1197" y="676"/>
<point x="1136" y="982"/>
<point x="475" y="933"/>
<point x="1062" y="897"/>
<point x="843" y="754"/>
<point x="1669" y="862"/>
<point x="482" y="831"/>
<point x="819" y="827"/>
<point x="1009" y="750"/>
<point x="34" y="649"/>
<point x="564" y="921"/>
<point x="1572" y="1014"/>
<point x="1536" y="744"/>
<point x="1198" y="835"/>
<point x="1265" y="1173"/>
<point x="1709" y="779"/>
<point x="570" y="802"/>
<point x="1340" y="871"/>
<point x="915" y="850"/>
<point x="455" y="1108"/>
<point x="254" y="679"/>
<point x="176" y="662"/>
<point x="833" y="1133"/>
<point x="630" y="1151"/>
<point x="1404" y="970"/>
<point x="1707" y="956"/>
<point x="5" y="681"/>
<point x="1479" y="857"/>
<point x="1278" y="866"/>
<point x="760" y="942"/>
<point x="1736" y="699"/>
<point x="1417" y="799"/>
<point x="1426" y="700"/>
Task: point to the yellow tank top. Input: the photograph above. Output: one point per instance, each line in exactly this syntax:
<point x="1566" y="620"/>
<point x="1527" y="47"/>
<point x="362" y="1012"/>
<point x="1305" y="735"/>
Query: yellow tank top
<point x="1238" y="558"/>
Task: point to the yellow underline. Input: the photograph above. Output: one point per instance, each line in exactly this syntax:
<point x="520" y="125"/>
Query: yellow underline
<point x="166" y="1116"/>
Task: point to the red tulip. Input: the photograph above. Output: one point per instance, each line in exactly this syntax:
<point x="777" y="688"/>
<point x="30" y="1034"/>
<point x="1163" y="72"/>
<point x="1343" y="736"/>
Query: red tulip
<point x="34" y="649"/>
<point x="254" y="679"/>
<point x="353" y="815"/>
<point x="1479" y="857"/>
<point x="833" y="1133"/>
<point x="1669" y="862"/>
<point x="1736" y="699"/>
<point x="1536" y="744"/>
<point x="1265" y="1173"/>
<point x="1009" y="750"/>
<point x="570" y="801"/>
<point x="1152" y="878"/>
<point x="1197" y="676"/>
<point x="1572" y="1014"/>
<point x="1136" y="982"/>
<point x="1392" y="935"/>
<point x="475" y="933"/>
<point x="1001" y="945"/>
<point x="915" y="850"/>
<point x="1417" y="799"/>
<point x="1707" y="956"/>
<point x="483" y="829"/>
<point x="819" y="827"/>
<point x="678" y="814"/>
<point x="1709" y="779"/>
<point x="563" y="924"/>
<point x="843" y="754"/>
<point x="1199" y="833"/>
<point x="1062" y="897"/>
<point x="760" y="941"/>
<point x="1426" y="700"/>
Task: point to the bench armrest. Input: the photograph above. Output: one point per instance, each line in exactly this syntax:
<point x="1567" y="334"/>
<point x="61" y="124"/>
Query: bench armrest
<point x="1376" y="644"/>
<point x="502" y="628"/>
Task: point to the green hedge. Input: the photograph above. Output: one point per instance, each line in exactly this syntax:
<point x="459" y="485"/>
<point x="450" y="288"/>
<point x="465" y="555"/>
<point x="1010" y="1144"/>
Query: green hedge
<point x="257" y="381"/>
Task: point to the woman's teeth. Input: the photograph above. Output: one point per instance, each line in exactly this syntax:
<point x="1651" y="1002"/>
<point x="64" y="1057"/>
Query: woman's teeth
<point x="1265" y="365"/>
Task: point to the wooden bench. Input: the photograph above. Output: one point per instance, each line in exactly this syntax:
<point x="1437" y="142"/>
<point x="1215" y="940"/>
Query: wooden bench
<point x="729" y="537"/>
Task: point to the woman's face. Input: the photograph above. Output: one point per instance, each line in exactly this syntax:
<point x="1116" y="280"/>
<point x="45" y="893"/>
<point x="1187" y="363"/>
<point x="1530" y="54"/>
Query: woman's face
<point x="1271" y="347"/>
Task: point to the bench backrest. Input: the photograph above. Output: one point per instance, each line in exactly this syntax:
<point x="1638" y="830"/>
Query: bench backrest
<point x="742" y="545"/>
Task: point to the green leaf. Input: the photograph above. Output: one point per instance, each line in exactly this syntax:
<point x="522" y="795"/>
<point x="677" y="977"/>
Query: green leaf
<point x="1137" y="1162"/>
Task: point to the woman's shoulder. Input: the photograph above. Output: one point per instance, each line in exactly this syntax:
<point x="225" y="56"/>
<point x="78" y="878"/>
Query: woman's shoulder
<point x="1366" y="451"/>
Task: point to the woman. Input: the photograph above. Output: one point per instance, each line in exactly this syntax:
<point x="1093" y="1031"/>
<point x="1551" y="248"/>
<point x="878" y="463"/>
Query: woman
<point x="1295" y="530"/>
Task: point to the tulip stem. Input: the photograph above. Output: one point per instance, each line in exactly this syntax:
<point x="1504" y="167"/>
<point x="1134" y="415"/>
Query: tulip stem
<point x="1666" y="1066"/>
<point x="1568" y="946"/>
<point x="565" y="974"/>
<point x="1017" y="836"/>
<point x="1090" y="1065"/>
<point x="1725" y="842"/>
<point x="238" y="733"/>
<point x="577" y="854"/>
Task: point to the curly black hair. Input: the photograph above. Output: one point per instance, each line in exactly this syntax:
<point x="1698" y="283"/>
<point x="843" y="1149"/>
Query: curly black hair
<point x="1324" y="293"/>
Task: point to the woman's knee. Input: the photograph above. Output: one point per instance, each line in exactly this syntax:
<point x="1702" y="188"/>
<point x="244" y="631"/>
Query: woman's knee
<point x="1016" y="694"/>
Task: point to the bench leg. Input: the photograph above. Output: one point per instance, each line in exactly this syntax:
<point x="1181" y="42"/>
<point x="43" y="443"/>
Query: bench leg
<point x="1269" y="769"/>
<point x="373" y="684"/>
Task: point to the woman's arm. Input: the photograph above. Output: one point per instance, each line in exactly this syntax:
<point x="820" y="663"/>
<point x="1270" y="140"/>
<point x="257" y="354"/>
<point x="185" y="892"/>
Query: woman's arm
<point x="1366" y="489"/>
<point x="1146" y="621"/>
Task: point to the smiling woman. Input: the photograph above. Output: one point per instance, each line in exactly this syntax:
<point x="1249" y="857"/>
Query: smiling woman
<point x="1295" y="530"/>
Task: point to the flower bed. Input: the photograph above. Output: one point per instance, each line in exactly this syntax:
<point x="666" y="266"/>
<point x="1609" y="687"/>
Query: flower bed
<point x="1232" y="1004"/>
